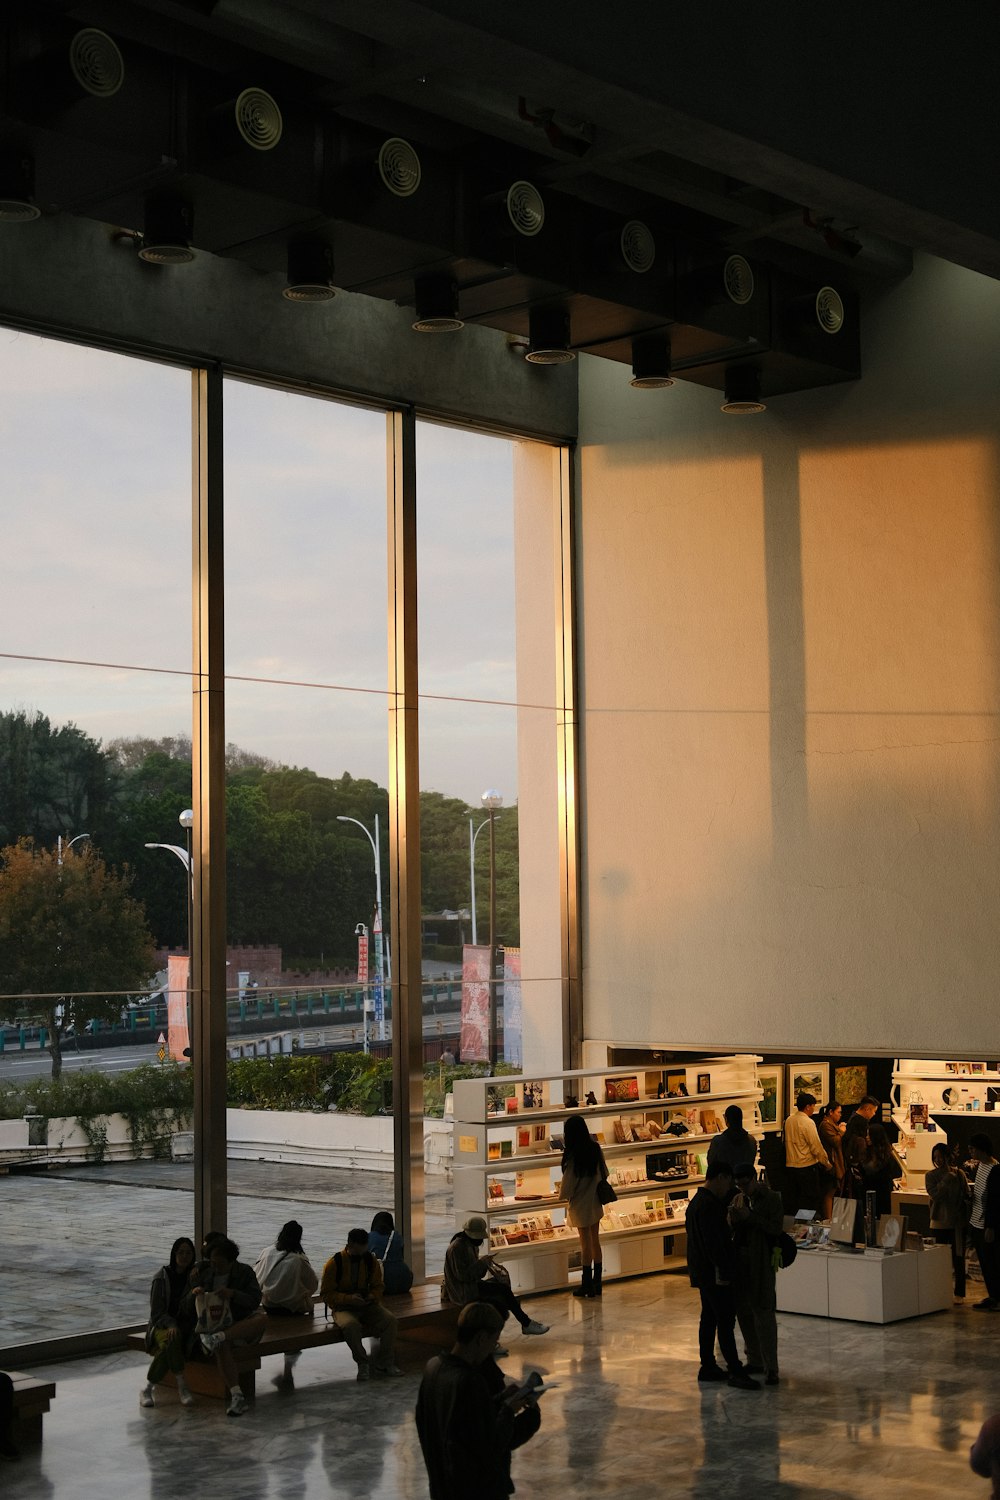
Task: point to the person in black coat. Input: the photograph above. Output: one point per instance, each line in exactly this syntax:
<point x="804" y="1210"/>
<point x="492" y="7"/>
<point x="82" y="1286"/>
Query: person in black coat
<point x="711" y="1266"/>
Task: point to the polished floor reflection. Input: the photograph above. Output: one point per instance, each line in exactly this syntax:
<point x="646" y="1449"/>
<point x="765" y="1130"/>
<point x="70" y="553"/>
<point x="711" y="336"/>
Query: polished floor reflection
<point x="861" y="1410"/>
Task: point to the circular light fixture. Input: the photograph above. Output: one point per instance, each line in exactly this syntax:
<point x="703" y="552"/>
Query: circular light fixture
<point x="492" y="799"/>
<point x="525" y="209"/>
<point x="186" y="818"/>
<point x="743" y="392"/>
<point x="166" y="239"/>
<point x="829" y="309"/>
<point x="738" y="279"/>
<point x="310" y="270"/>
<point x="436" y="305"/>
<point x="548" y="337"/>
<point x="638" y="247"/>
<point x="399" y="167"/>
<point x="96" y="63"/>
<point x="651" y="363"/>
<point x="258" y="119"/>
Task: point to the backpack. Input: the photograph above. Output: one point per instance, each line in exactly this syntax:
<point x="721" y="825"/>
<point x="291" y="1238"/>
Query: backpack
<point x="787" y="1246"/>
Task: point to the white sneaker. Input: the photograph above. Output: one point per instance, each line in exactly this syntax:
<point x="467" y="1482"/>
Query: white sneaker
<point x="184" y="1394"/>
<point x="146" y="1396"/>
<point x="211" y="1341"/>
<point x="535" y="1327"/>
<point x="237" y="1404"/>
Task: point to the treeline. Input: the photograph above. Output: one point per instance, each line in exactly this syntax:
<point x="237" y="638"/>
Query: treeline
<point x="296" y="876"/>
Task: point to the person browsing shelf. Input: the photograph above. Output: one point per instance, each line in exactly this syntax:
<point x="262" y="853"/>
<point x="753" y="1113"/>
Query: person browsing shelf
<point x="734" y="1144"/>
<point x="584" y="1169"/>
<point x="805" y="1158"/>
<point x="948" y="1189"/>
<point x="880" y="1167"/>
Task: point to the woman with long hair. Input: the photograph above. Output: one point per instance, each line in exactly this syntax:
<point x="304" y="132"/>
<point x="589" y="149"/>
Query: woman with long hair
<point x="880" y="1166"/>
<point x="950" y="1195"/>
<point x="584" y="1169"/>
<point x="167" y="1330"/>
<point x="831" y="1133"/>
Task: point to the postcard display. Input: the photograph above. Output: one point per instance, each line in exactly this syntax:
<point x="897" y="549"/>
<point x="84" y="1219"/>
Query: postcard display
<point x="654" y="1123"/>
<point x="922" y="1090"/>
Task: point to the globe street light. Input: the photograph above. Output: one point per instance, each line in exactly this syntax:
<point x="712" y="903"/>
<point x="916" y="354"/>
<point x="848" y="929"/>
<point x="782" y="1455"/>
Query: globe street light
<point x="383" y="966"/>
<point x="186" y="820"/>
<point x="493" y="801"/>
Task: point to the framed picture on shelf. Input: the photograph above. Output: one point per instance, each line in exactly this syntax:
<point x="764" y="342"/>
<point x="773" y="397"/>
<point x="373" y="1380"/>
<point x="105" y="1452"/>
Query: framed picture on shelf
<point x="977" y="1069"/>
<point x="850" y="1084"/>
<point x="704" y="1083"/>
<point x="523" y="1137"/>
<point x="621" y="1090"/>
<point x="531" y="1095"/>
<point x="771" y="1077"/>
<point x="809" y="1078"/>
<point x="677" y="1084"/>
<point x="493" y="1151"/>
<point x="541" y="1135"/>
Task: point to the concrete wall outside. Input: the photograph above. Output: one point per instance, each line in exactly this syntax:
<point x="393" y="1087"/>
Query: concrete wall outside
<point x="790" y="698"/>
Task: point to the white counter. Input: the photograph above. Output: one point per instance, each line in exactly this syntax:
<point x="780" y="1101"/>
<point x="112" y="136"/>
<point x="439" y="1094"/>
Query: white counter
<point x="867" y="1289"/>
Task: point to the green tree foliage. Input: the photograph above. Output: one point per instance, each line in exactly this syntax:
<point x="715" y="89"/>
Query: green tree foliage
<point x="73" y="941"/>
<point x="52" y="781"/>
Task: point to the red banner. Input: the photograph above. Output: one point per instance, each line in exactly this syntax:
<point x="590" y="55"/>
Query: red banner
<point x="475" y="1038"/>
<point x="177" y="1005"/>
<point x="363" y="956"/>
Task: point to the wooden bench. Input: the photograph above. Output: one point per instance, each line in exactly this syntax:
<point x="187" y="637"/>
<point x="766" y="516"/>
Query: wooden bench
<point x="32" y="1399"/>
<point x="425" y="1326"/>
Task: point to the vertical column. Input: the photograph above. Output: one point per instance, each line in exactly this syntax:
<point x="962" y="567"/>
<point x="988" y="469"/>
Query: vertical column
<point x="208" y="769"/>
<point x="567" y="770"/>
<point x="404" y="838"/>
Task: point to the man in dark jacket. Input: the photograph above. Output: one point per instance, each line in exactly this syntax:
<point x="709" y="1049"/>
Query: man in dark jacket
<point x="984" y="1221"/>
<point x="466" y="1426"/>
<point x="711" y="1267"/>
<point x="756" y="1215"/>
<point x="734" y="1144"/>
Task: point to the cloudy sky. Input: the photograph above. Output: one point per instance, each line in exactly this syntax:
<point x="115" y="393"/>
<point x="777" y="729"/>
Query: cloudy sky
<point x="96" y="505"/>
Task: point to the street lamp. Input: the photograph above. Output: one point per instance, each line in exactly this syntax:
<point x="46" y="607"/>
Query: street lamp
<point x="493" y="801"/>
<point x="383" y="968"/>
<point x="186" y="820"/>
<point x="60" y="846"/>
<point x="472" y="870"/>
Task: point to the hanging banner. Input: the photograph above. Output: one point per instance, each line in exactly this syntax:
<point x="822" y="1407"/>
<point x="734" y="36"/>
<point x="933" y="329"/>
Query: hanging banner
<point x="377" y="992"/>
<point x="363" y="956"/>
<point x="474" y="1042"/>
<point x="512" y="1026"/>
<point x="178" y="1038"/>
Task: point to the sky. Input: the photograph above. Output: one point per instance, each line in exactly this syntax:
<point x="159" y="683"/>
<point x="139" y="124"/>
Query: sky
<point x="97" y="540"/>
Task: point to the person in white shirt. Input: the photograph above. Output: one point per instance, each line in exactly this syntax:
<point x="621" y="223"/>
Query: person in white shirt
<point x="984" y="1221"/>
<point x="287" y="1282"/>
<point x="805" y="1160"/>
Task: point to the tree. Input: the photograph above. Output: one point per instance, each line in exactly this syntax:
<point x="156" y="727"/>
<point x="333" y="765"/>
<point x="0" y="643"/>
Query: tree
<point x="52" y="781"/>
<point x="73" y="941"/>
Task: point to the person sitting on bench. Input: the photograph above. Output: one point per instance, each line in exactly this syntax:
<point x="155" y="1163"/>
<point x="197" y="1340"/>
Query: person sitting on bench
<point x="224" y="1276"/>
<point x="469" y="1277"/>
<point x="352" y="1288"/>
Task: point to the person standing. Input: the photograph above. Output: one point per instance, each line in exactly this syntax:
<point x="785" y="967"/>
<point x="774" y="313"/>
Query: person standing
<point x="805" y="1158"/>
<point x="880" y="1167"/>
<point x="831" y="1135"/>
<point x="352" y="1288"/>
<point x="734" y="1144"/>
<point x="984" y="1220"/>
<point x="584" y="1169"/>
<point x="466" y="1428"/>
<point x="756" y="1216"/>
<point x="948" y="1189"/>
<point x="711" y="1269"/>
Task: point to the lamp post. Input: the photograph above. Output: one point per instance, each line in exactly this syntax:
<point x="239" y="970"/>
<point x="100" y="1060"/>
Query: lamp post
<point x="472" y="870"/>
<point x="60" y="846"/>
<point x="493" y="801"/>
<point x="383" y="963"/>
<point x="186" y="820"/>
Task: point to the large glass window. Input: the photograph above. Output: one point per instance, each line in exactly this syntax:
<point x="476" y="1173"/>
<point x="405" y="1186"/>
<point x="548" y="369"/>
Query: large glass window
<point x="95" y="713"/>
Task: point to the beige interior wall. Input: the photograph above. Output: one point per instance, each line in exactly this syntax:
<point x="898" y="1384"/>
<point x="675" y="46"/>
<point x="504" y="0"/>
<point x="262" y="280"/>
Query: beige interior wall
<point x="789" y="692"/>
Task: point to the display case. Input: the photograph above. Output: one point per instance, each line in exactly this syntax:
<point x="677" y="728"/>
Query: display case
<point x="925" y="1093"/>
<point x="654" y="1124"/>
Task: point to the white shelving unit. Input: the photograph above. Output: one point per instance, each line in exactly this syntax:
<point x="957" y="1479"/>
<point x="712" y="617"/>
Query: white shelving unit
<point x="508" y="1160"/>
<point x="952" y="1089"/>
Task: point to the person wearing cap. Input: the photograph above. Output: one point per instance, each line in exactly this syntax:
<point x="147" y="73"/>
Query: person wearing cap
<point x="756" y="1216"/>
<point x="468" y="1419"/>
<point x="352" y="1289"/>
<point x="287" y="1283"/>
<point x="469" y="1277"/>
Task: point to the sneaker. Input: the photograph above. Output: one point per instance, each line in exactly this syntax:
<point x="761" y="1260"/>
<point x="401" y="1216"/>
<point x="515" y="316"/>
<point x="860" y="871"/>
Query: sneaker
<point x="741" y="1380"/>
<point x="713" y="1372"/>
<point x="211" y="1341"/>
<point x="146" y="1396"/>
<point x="364" y="1373"/>
<point x="184" y="1395"/>
<point x="237" y="1404"/>
<point x="535" y="1327"/>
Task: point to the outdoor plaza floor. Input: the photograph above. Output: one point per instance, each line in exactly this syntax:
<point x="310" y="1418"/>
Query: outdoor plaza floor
<point x="860" y="1408"/>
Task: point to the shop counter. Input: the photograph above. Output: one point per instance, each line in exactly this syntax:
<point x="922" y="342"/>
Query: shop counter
<point x="867" y="1289"/>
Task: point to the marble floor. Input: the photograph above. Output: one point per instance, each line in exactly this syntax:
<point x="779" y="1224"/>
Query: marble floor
<point x="861" y="1411"/>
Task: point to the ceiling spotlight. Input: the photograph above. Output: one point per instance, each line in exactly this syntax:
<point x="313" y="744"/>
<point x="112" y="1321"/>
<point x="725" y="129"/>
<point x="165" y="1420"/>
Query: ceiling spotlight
<point x="310" y="270"/>
<point x="743" y="391"/>
<point x="651" y="363"/>
<point x="548" y="337"/>
<point x="436" y="305"/>
<point x="17" y="188"/>
<point x="166" y="239"/>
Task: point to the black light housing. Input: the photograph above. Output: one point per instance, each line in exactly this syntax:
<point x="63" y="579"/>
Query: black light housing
<point x="743" y="391"/>
<point x="17" y="187"/>
<point x="436" y="305"/>
<point x="310" y="270"/>
<point x="166" y="239"/>
<point x="548" y="337"/>
<point x="651" y="363"/>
